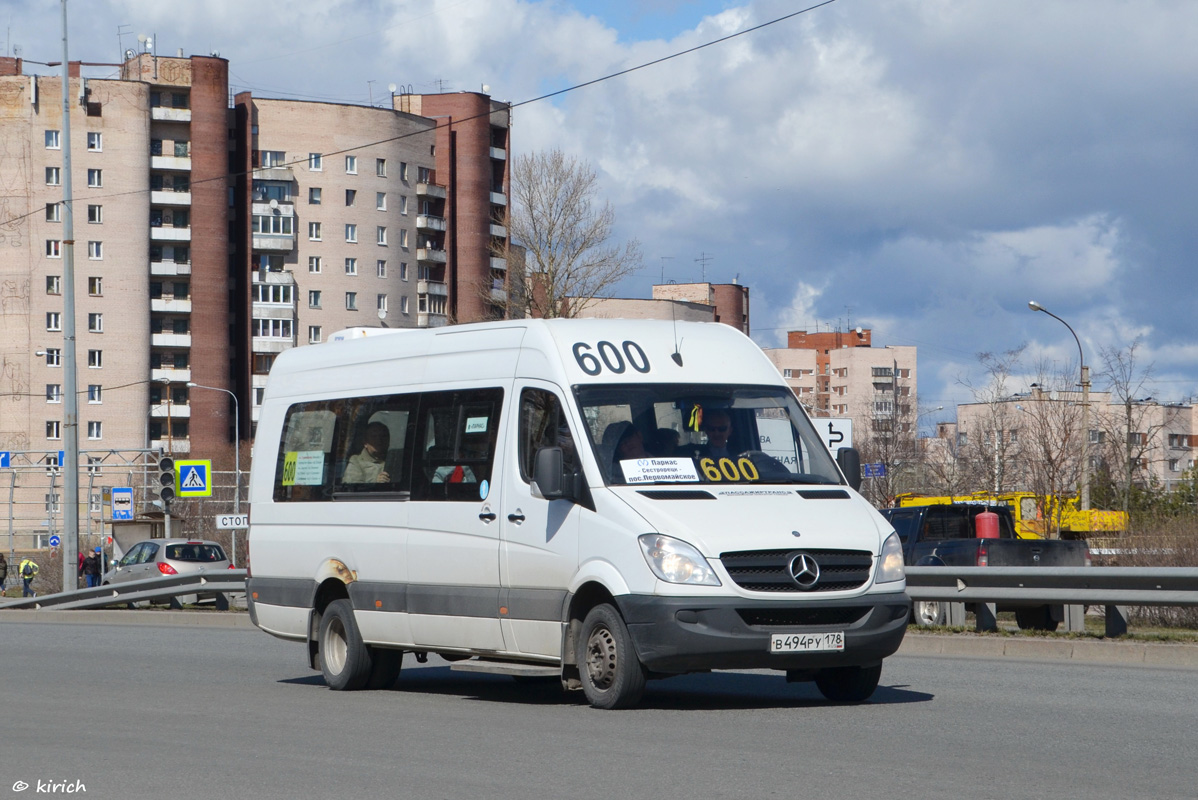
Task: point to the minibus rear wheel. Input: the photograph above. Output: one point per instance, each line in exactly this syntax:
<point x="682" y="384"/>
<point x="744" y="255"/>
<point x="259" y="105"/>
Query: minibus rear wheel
<point x="344" y="659"/>
<point x="848" y="684"/>
<point x="612" y="675"/>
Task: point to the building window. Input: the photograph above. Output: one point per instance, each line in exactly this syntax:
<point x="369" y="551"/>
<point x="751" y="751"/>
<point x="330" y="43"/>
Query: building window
<point x="314" y="265"/>
<point x="350" y="196"/>
<point x="95" y="323"/>
<point x="95" y="430"/>
<point x="95" y="214"/>
<point x="351" y="301"/>
<point x="53" y="284"/>
<point x="272" y="158"/>
<point x="273" y="225"/>
<point x="403" y="304"/>
<point x="314" y="195"/>
<point x="381" y="302"/>
<point x="403" y="270"/>
<point x="403" y="237"/>
<point x="53" y="320"/>
<point x="403" y="204"/>
<point x="351" y="165"/>
<point x="380" y="167"/>
<point x="53" y="429"/>
<point x="53" y="248"/>
<point x="53" y="392"/>
<point x="381" y="235"/>
<point x="95" y="141"/>
<point x="53" y="140"/>
<point x="314" y="299"/>
<point x="53" y="212"/>
<point x="380" y="201"/>
<point x="380" y="268"/>
<point x="403" y="170"/>
<point x="95" y="250"/>
<point x="53" y="357"/>
<point x="272" y="328"/>
<point x="53" y="176"/>
<point x="313" y="336"/>
<point x="95" y="178"/>
<point x="786" y="373"/>
<point x="314" y="231"/>
<point x="351" y="234"/>
<point x="1174" y="465"/>
<point x="95" y="359"/>
<point x="315" y="162"/>
<point x="424" y="175"/>
<point x="155" y="147"/>
<point x="351" y="266"/>
<point x="94" y="393"/>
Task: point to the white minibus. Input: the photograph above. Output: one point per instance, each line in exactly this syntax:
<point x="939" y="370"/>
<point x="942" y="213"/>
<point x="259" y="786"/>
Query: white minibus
<point x="599" y="502"/>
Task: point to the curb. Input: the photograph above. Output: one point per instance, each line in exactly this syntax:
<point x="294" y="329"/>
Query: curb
<point x="1184" y="656"/>
<point x="207" y="619"/>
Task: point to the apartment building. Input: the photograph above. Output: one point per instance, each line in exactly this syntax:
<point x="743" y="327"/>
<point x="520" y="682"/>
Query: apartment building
<point x="212" y="233"/>
<point x="840" y="374"/>
<point x="691" y="302"/>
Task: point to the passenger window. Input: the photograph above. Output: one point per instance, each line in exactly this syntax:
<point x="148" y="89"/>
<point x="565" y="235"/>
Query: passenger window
<point x="375" y="457"/>
<point x="456" y="434"/>
<point x="543" y="424"/>
<point x="132" y="556"/>
<point x="305" y="452"/>
<point x="147" y="553"/>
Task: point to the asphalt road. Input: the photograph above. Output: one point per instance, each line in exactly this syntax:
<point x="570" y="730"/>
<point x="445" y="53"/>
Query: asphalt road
<point x="146" y="711"/>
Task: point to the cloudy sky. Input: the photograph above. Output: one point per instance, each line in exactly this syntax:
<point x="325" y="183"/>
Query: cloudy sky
<point x="920" y="167"/>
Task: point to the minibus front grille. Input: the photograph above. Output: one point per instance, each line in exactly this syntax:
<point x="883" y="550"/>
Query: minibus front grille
<point x="769" y="570"/>
<point x="801" y="617"/>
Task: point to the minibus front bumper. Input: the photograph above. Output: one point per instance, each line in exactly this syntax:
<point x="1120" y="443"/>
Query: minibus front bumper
<point x="689" y="634"/>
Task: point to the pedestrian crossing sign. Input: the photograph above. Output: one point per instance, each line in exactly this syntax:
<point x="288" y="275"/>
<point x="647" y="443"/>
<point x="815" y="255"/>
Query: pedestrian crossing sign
<point x="194" y="478"/>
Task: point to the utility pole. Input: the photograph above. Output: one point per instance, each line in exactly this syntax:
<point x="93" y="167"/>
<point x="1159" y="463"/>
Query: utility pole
<point x="70" y="423"/>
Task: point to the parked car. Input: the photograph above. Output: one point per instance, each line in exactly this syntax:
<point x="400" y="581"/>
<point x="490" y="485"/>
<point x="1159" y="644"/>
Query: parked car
<point x="949" y="535"/>
<point x="154" y="558"/>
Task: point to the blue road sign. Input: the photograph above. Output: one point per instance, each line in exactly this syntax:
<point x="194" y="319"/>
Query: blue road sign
<point x="193" y="478"/>
<point x="122" y="504"/>
<point x="873" y="470"/>
<point x="5" y="459"/>
<point x="55" y="541"/>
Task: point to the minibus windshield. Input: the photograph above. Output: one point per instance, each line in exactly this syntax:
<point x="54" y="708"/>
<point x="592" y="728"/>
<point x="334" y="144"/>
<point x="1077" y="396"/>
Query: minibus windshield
<point x="702" y="433"/>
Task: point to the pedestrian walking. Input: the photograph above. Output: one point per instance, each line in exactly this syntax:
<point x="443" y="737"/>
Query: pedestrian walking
<point x="28" y="571"/>
<point x="92" y="567"/>
<point x="3" y="573"/>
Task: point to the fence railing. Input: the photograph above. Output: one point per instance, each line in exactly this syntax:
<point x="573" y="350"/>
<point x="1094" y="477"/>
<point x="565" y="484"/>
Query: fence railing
<point x="162" y="589"/>
<point x="1116" y="588"/>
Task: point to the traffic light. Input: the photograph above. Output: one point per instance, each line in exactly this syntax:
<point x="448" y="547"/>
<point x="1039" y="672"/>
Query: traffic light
<point x="166" y="479"/>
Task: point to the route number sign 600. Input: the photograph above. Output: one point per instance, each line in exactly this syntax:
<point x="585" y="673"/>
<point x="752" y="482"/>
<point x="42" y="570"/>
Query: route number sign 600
<point x="607" y="355"/>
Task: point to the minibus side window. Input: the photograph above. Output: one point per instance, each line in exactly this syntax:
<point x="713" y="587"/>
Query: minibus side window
<point x="543" y="424"/>
<point x="373" y="455"/>
<point x="303" y="471"/>
<point x="455" y="441"/>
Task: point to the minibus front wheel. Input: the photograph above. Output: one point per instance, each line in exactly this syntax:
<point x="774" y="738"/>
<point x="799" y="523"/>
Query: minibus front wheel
<point x="612" y="675"/>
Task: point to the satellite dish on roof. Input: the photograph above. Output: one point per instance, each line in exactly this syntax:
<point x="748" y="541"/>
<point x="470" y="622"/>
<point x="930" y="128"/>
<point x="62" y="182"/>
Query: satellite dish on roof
<point x="391" y="87"/>
<point x="130" y="53"/>
<point x="274" y="203"/>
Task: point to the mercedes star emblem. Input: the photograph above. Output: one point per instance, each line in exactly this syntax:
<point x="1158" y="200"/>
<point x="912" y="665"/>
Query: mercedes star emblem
<point x="804" y="571"/>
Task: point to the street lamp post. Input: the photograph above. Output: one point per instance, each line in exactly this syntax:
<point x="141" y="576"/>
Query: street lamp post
<point x="1084" y="491"/>
<point x="236" y="454"/>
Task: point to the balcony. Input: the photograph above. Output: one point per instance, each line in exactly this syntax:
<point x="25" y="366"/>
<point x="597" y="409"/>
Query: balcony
<point x="177" y="410"/>
<point x="498" y="199"/>
<point x="498" y="263"/>
<point x="499" y="154"/>
<point x="174" y="446"/>
<point x="431" y="190"/>
<point x="273" y="244"/>
<point x="432" y="287"/>
<point x="430" y="320"/>
<point x="167" y="233"/>
<point x="428" y="222"/>
<point x="274" y="174"/>
<point x="498" y="230"/>
<point x="430" y="256"/>
<point x="170" y="268"/>
<point x="170" y="340"/>
<point x="165" y="114"/>
<point x="170" y="198"/>
<point x="177" y="306"/>
<point x="273" y="311"/>
<point x="176" y="163"/>
<point x="264" y="344"/>
<point x="171" y="374"/>
<point x="498" y="293"/>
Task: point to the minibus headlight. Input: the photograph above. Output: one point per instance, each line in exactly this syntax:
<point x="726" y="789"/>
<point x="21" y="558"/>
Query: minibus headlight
<point x="674" y="561"/>
<point x="890" y="563"/>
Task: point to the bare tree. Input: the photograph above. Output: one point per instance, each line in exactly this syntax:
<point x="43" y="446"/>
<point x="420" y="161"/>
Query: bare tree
<point x="564" y="234"/>
<point x="948" y="466"/>
<point x="994" y="449"/>
<point x="890" y="440"/>
<point x="1051" y="441"/>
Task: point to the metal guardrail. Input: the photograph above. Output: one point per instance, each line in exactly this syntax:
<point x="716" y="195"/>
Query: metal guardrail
<point x="1072" y="587"/>
<point x="165" y="588"/>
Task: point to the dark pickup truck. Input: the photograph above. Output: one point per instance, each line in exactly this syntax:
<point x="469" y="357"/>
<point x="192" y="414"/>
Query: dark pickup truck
<point x="947" y="535"/>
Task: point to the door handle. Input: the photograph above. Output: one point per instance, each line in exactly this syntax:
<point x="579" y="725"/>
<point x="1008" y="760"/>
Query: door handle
<point x="516" y="517"/>
<point x="487" y="516"/>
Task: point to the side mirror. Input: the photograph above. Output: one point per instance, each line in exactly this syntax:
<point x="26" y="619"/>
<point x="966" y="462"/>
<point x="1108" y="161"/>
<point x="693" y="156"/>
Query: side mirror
<point x="548" y="474"/>
<point x="850" y="464"/>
